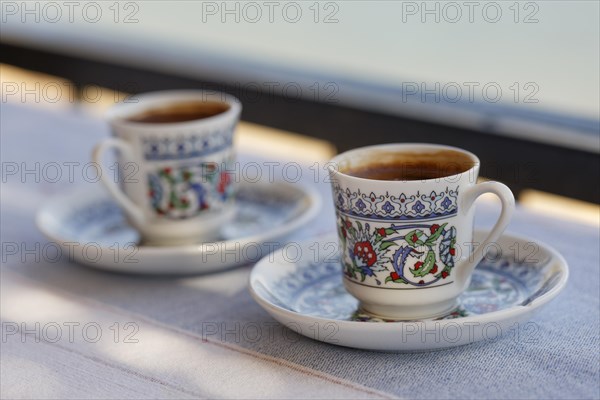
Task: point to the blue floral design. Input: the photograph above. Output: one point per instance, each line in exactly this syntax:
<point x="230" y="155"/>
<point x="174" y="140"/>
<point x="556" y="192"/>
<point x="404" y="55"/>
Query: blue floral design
<point x="360" y="204"/>
<point x="418" y="207"/>
<point x="156" y="191"/>
<point x="396" y="206"/>
<point x="447" y="243"/>
<point x="189" y="146"/>
<point x="495" y="285"/>
<point x="388" y="207"/>
<point x="361" y="265"/>
<point x="446" y="203"/>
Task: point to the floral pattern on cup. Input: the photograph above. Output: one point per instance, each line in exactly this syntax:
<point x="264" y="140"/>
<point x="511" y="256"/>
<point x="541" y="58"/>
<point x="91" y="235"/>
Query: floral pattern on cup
<point x="184" y="192"/>
<point x="397" y="255"/>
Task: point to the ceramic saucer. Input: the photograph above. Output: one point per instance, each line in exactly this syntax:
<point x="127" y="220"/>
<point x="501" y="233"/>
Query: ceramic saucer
<point x="306" y="294"/>
<point x="90" y="229"/>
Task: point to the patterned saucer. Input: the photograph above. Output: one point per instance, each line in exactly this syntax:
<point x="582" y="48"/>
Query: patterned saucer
<point x="306" y="294"/>
<point x="89" y="228"/>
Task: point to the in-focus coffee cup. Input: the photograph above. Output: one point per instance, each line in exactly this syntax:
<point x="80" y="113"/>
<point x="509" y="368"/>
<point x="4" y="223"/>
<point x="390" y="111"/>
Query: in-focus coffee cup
<point x="405" y="225"/>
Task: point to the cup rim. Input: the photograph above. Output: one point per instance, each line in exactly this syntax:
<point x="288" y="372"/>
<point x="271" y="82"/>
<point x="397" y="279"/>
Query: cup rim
<point x="117" y="114"/>
<point x="334" y="162"/>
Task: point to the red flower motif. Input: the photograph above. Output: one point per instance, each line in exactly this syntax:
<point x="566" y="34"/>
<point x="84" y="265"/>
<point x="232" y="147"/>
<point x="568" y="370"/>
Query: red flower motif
<point x="344" y="233"/>
<point x="434" y="269"/>
<point x="421" y="282"/>
<point x="211" y="167"/>
<point x="365" y="251"/>
<point x="444" y="274"/>
<point x="381" y="232"/>
<point x="414" y="237"/>
<point x="171" y="205"/>
<point x="348" y="223"/>
<point x="433" y="228"/>
<point x="167" y="170"/>
<point x="151" y="193"/>
<point x="394" y="275"/>
<point x="224" y="181"/>
<point x="452" y="251"/>
<point x="418" y="265"/>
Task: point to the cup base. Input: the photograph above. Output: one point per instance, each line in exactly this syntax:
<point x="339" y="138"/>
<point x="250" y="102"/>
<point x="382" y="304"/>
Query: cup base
<point x="203" y="229"/>
<point x="178" y="241"/>
<point x="409" y="313"/>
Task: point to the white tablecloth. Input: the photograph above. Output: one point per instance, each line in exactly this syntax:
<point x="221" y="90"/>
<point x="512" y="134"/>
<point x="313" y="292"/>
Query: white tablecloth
<point x="72" y="332"/>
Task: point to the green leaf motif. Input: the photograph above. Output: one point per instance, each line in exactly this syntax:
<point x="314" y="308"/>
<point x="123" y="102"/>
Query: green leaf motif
<point x="352" y="232"/>
<point x="350" y="270"/>
<point x="427" y="265"/>
<point x="431" y="240"/>
<point x="385" y="245"/>
<point x="169" y="177"/>
<point x="359" y="225"/>
<point x="414" y="237"/>
<point x="389" y="231"/>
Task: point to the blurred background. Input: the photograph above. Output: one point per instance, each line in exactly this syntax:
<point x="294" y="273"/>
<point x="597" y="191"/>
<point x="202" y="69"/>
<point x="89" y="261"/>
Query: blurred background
<point x="516" y="82"/>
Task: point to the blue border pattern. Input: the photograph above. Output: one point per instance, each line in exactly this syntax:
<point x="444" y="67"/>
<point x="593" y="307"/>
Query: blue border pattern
<point x="187" y="145"/>
<point x="400" y="206"/>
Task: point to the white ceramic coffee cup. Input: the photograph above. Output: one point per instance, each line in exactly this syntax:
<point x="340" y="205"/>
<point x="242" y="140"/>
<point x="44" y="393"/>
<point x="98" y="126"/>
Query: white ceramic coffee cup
<point x="406" y="246"/>
<point x="175" y="187"/>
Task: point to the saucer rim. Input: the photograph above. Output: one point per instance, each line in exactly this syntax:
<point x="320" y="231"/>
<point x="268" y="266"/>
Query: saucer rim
<point x="310" y="194"/>
<point x="500" y="315"/>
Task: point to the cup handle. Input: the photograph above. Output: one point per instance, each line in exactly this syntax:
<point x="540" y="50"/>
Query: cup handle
<point x="131" y="209"/>
<point x="508" y="206"/>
